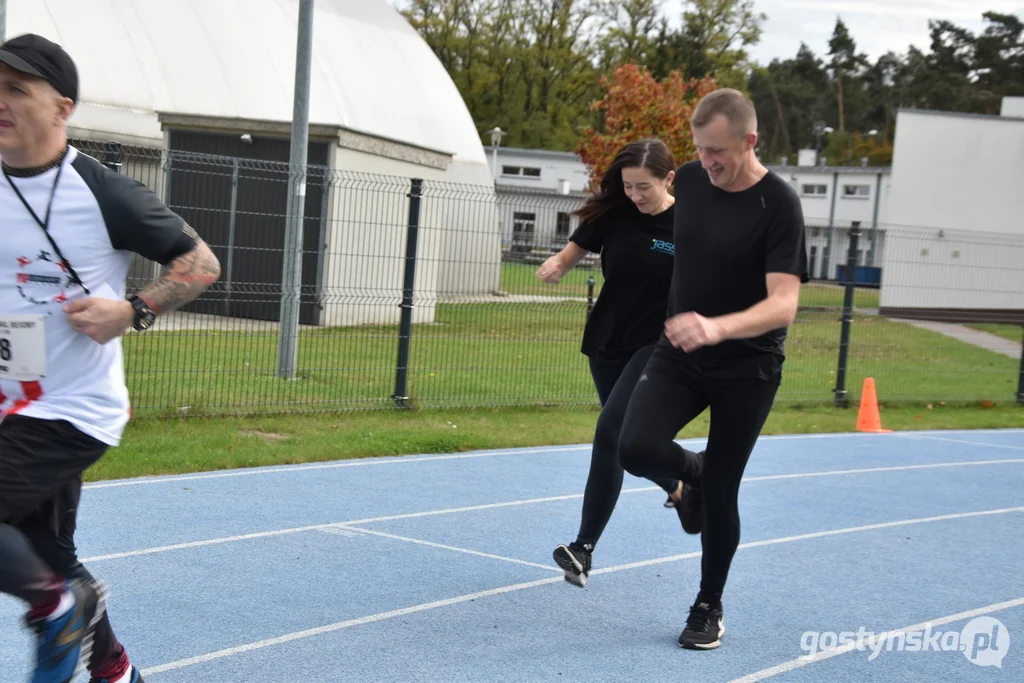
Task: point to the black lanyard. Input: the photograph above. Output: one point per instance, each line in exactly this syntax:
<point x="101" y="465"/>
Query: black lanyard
<point x="45" y="223"/>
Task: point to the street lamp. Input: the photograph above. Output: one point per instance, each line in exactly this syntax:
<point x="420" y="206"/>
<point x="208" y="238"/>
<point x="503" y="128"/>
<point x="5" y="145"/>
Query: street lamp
<point x="496" y="135"/>
<point x="819" y="130"/>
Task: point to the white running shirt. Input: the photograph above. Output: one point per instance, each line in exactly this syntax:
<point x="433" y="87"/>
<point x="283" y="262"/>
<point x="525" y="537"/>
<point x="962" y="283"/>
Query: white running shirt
<point x="98" y="218"/>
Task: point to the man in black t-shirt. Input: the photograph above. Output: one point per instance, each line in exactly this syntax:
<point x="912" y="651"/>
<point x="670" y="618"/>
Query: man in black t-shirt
<point x="739" y="261"/>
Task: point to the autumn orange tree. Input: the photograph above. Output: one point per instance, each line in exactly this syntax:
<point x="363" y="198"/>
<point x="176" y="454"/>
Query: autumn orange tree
<point x="636" y="105"/>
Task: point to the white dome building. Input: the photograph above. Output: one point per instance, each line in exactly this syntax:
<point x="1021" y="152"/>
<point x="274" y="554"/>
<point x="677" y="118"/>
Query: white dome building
<point x="198" y="76"/>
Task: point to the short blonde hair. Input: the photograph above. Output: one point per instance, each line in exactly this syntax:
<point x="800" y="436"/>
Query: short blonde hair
<point x="736" y="107"/>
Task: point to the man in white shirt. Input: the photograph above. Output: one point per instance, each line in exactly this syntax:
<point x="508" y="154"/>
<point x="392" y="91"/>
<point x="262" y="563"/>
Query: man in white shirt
<point x="70" y="227"/>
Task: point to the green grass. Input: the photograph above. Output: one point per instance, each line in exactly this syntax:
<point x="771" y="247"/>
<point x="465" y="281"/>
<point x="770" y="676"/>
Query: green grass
<point x="521" y="278"/>
<point x="153" y="447"/>
<point x="1012" y="332"/>
<point x="519" y="354"/>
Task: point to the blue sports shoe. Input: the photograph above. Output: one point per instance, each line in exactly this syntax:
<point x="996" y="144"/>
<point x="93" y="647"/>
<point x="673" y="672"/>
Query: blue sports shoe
<point x="65" y="644"/>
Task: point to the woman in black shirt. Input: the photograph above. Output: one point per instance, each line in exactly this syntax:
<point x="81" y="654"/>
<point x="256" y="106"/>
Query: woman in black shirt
<point x="629" y="222"/>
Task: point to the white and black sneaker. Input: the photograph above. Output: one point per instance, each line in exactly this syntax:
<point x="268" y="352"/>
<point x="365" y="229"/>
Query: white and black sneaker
<point x="574" y="559"/>
<point x="704" y="629"/>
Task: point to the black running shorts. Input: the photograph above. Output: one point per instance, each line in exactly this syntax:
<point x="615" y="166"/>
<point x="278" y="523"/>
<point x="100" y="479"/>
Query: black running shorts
<point x="39" y="459"/>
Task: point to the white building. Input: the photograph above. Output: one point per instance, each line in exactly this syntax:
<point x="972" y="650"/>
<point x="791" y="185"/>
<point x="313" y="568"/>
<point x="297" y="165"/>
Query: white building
<point x="834" y="199"/>
<point x="955" y="248"/>
<point x="1012" y="106"/>
<point x="218" y="77"/>
<point x="538" y="190"/>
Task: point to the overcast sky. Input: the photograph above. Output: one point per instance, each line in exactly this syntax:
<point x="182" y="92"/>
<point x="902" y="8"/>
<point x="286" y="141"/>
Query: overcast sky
<point x="874" y="27"/>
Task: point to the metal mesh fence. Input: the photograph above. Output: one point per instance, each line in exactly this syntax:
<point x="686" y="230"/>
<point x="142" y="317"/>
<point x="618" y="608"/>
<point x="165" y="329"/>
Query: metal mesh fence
<point x="421" y="293"/>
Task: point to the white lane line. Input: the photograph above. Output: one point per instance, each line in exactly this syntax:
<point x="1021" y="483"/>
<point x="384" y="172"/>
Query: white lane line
<point x="317" y="527"/>
<point x="895" y="468"/>
<point x="823" y="534"/>
<point x="491" y="506"/>
<point x="287" y="469"/>
<point x="396" y="460"/>
<point x="449" y="547"/>
<point x="423" y="607"/>
<point x="963" y="441"/>
<point x="873" y="641"/>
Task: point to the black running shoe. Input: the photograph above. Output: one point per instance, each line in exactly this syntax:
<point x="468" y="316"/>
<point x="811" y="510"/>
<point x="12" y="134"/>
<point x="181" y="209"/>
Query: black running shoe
<point x="704" y="629"/>
<point x="691" y="509"/>
<point x="574" y="559"/>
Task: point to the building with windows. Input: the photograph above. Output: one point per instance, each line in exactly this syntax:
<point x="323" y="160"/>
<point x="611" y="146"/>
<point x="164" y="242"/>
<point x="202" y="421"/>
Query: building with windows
<point x="834" y="200"/>
<point x="538" y="190"/>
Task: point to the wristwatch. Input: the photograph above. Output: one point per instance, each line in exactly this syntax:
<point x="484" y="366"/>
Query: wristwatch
<point x="144" y="315"/>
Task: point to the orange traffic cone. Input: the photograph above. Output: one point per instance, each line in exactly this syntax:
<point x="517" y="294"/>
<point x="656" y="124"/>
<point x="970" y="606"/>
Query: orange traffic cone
<point x="868" y="419"/>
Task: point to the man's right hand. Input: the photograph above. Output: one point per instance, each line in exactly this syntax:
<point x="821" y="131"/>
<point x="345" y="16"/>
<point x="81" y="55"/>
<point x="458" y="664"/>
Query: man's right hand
<point x="551" y="270"/>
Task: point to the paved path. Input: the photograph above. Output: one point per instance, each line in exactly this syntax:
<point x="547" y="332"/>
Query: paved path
<point x="985" y="340"/>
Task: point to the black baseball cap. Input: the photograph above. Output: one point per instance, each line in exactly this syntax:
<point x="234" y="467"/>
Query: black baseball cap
<point x="37" y="56"/>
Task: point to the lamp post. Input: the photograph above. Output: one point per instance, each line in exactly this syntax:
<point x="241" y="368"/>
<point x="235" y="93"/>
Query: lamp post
<point x="496" y="135"/>
<point x="819" y="130"/>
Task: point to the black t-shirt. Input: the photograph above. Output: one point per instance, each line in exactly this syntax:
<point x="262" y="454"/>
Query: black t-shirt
<point x="727" y="243"/>
<point x="636" y="259"/>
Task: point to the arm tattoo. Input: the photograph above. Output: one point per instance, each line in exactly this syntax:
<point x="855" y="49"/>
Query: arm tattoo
<point x="183" y="279"/>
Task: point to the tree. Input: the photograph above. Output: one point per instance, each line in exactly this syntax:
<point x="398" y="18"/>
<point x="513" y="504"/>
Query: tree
<point x="789" y="97"/>
<point x="845" y="66"/>
<point x="557" y="47"/>
<point x="716" y="34"/>
<point x="636" y="106"/>
<point x="847" y="149"/>
<point x="631" y="33"/>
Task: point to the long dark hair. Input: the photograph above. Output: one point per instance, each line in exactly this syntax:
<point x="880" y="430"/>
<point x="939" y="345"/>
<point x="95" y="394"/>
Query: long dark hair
<point x="652" y="154"/>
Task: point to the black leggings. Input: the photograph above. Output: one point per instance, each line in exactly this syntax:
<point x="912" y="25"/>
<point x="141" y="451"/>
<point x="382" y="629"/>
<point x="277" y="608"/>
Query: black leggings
<point x="614" y="382"/>
<point x="677" y="390"/>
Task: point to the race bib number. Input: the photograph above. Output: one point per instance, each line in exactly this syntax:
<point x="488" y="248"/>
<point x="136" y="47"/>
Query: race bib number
<point x="22" y="348"/>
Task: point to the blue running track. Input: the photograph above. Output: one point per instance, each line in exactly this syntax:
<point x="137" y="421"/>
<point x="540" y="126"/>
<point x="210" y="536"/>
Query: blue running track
<point x="438" y="568"/>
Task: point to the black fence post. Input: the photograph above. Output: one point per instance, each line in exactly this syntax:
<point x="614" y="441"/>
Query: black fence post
<point x="1020" y="380"/>
<point x="112" y="156"/>
<point x="590" y="295"/>
<point x="844" y="338"/>
<point x="401" y="396"/>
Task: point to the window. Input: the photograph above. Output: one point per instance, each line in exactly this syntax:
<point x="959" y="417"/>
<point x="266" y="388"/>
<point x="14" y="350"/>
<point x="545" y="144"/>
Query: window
<point x="522" y="231"/>
<point x="856" y="190"/>
<point x="562" y="223"/>
<point x="520" y="171"/>
<point x="814" y="190"/>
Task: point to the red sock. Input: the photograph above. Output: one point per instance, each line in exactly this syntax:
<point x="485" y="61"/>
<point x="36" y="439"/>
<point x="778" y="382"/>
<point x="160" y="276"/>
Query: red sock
<point x="47" y="601"/>
<point x="113" y="669"/>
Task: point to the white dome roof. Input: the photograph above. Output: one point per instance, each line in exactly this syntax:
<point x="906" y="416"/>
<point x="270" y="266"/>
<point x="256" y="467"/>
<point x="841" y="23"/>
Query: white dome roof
<point x="371" y="72"/>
